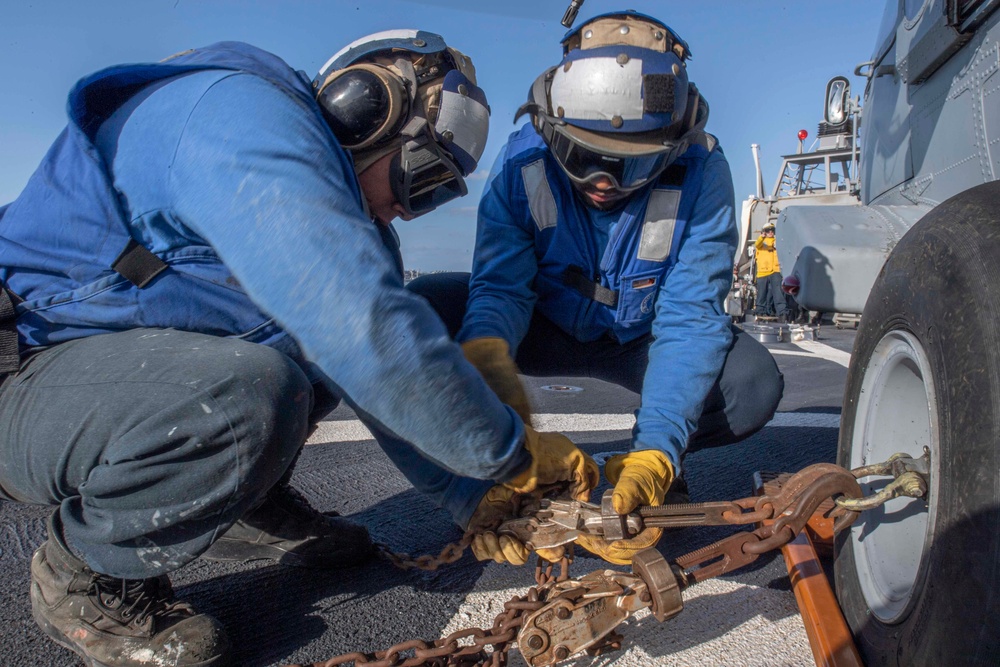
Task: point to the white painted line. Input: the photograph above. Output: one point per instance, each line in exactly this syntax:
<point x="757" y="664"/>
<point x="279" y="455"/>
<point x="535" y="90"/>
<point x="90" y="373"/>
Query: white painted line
<point x="822" y="351"/>
<point x="580" y="422"/>
<point x="352" y="430"/>
<point x="723" y="623"/>
<point x="339" y="431"/>
<point x="805" y="420"/>
<point x="790" y="353"/>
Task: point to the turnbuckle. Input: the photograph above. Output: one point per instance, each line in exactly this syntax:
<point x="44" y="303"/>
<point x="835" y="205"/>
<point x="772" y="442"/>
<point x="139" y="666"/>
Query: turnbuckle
<point x="554" y="522"/>
<point x="582" y="614"/>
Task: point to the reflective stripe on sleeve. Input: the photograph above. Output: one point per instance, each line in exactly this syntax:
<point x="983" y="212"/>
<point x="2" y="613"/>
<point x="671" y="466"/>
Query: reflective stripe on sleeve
<point x="658" y="226"/>
<point x="541" y="203"/>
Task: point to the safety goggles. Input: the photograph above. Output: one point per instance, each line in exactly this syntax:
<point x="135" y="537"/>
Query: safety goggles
<point x="584" y="164"/>
<point x="424" y="176"/>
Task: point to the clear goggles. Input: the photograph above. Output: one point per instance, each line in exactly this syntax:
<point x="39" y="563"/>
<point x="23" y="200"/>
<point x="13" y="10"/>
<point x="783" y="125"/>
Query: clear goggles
<point x="424" y="176"/>
<point x="586" y="165"/>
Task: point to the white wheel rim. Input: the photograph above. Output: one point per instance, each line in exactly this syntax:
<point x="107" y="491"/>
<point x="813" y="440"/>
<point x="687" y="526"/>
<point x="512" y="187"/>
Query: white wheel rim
<point x="897" y="412"/>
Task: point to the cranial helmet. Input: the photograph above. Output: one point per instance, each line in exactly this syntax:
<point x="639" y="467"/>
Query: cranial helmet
<point x="407" y="92"/>
<point x="619" y="105"/>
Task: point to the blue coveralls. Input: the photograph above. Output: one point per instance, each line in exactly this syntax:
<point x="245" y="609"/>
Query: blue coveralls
<point x="633" y="296"/>
<point x="149" y="414"/>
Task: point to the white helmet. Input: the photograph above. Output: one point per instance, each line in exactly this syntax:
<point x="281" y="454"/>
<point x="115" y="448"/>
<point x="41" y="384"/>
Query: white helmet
<point x="619" y="104"/>
<point x="407" y="91"/>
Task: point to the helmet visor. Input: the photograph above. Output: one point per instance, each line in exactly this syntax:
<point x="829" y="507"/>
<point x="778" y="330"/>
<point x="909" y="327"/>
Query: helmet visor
<point x="585" y="165"/>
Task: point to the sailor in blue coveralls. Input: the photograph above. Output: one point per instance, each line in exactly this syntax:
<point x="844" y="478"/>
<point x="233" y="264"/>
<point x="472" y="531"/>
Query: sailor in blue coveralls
<point x="605" y="247"/>
<point x="199" y="269"/>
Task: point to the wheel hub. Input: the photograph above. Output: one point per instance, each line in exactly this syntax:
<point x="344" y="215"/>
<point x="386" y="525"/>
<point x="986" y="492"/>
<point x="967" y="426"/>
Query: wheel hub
<point x="897" y="412"/>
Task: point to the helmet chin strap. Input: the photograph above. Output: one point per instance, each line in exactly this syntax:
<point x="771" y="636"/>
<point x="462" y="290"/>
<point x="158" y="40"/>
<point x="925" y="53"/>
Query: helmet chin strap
<point x="537" y="98"/>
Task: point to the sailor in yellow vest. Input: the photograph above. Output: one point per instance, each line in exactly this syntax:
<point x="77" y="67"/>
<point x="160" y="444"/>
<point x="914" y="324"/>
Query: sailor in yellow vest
<point x="770" y="298"/>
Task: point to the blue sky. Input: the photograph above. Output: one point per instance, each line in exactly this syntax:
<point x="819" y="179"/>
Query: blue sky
<point x="762" y="65"/>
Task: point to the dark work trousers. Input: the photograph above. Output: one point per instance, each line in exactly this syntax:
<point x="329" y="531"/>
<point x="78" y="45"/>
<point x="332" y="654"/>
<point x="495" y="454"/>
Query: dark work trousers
<point x="740" y="403"/>
<point x="770" y="298"/>
<point x="150" y="442"/>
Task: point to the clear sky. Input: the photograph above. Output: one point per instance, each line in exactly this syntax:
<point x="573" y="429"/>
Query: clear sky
<point x="762" y="65"/>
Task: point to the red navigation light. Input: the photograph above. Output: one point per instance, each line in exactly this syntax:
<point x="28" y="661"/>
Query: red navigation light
<point x="802" y="135"/>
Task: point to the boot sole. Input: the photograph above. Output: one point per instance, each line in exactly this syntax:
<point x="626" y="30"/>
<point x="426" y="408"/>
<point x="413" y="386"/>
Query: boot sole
<point x="229" y="551"/>
<point x="58" y="637"/>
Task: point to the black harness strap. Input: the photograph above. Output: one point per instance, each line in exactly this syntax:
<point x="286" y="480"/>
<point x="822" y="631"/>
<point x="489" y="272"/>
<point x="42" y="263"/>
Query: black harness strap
<point x="574" y="277"/>
<point x="10" y="358"/>
<point x="674" y="175"/>
<point x="137" y="264"/>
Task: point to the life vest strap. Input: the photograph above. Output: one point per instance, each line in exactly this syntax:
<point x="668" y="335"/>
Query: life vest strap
<point x="137" y="264"/>
<point x="574" y="277"/>
<point x="10" y="358"/>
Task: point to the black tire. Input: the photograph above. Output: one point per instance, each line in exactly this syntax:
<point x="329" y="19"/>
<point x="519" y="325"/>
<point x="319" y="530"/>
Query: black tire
<point x="932" y="322"/>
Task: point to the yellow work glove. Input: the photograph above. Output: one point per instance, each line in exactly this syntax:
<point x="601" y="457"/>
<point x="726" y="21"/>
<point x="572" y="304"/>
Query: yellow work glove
<point x="498" y="505"/>
<point x="640" y="478"/>
<point x="556" y="460"/>
<point x="491" y="357"/>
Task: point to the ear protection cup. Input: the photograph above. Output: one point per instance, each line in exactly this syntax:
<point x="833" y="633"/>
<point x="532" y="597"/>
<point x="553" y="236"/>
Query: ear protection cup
<point x="364" y="104"/>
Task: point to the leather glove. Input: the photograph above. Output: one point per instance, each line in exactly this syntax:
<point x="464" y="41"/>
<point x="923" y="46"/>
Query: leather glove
<point x="554" y="460"/>
<point x="640" y="478"/>
<point x="498" y="505"/>
<point x="491" y="357"/>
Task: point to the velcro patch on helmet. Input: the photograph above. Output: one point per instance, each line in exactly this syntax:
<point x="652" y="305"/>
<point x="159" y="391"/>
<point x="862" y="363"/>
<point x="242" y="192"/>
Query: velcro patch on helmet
<point x="658" y="93"/>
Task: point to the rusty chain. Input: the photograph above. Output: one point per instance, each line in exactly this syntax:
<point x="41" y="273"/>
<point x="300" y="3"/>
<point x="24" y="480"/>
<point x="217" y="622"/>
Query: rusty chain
<point x="451" y="552"/>
<point x="788" y="511"/>
<point x="471" y="647"/>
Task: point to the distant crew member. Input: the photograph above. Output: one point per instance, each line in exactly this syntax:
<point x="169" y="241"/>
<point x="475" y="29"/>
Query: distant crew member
<point x="770" y="298"/>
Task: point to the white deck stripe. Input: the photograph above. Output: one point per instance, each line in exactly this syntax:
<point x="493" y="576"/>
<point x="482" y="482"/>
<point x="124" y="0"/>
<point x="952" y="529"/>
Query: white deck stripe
<point x="827" y="352"/>
<point x="790" y="353"/>
<point x="354" y="431"/>
<point x="812" y="348"/>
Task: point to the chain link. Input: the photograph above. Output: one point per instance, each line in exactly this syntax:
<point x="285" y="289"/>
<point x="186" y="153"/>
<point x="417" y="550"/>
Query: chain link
<point x="790" y="509"/>
<point x="451" y="553"/>
<point x="471" y="647"/>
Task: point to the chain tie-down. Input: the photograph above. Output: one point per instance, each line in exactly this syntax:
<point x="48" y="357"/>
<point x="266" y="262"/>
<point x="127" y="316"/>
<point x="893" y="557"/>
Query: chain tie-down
<point x="562" y="617"/>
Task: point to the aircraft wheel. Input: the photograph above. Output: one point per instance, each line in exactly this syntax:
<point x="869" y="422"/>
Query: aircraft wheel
<point x="919" y="579"/>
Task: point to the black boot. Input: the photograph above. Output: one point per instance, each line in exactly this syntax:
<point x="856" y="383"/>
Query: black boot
<point x="285" y="528"/>
<point x="113" y="622"/>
